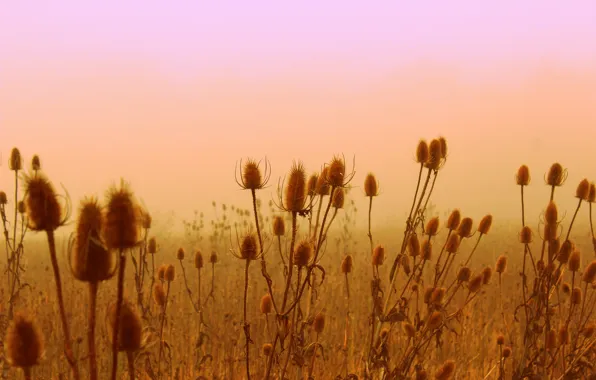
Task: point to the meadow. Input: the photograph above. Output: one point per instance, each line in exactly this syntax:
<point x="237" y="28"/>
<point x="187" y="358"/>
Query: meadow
<point x="290" y="288"/>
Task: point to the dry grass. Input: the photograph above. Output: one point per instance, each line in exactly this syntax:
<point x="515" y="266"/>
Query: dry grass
<point x="443" y="299"/>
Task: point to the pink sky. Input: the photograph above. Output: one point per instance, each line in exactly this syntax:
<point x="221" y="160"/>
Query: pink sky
<point x="170" y="96"/>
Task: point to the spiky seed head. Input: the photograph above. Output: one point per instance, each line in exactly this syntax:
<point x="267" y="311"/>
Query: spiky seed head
<point x="554" y="246"/>
<point x="556" y="175"/>
<point x="145" y="219"/>
<point x="251" y="175"/>
<point x="443" y="142"/>
<point x="464" y="274"/>
<point x="428" y="292"/>
<point x="180" y="254"/>
<point x="551" y="215"/>
<point x="590" y="273"/>
<point x="592" y="193"/>
<point x="452" y="244"/>
<point x="152" y="246"/>
<point x="413" y="245"/>
<point x="551" y="339"/>
<point x="3" y="198"/>
<point x="487" y="274"/>
<point x="35" y="163"/>
<point x="129" y="329"/>
<point x="161" y="272"/>
<point x="446" y="371"/>
<point x="588" y="331"/>
<point x="438" y="295"/>
<point x="576" y="295"/>
<point x="249" y="249"/>
<point x="563" y="335"/>
<point x="435" y="155"/>
<point x="346" y="264"/>
<point x="506" y="352"/>
<point x="24" y="344"/>
<point x="121" y="227"/>
<point x="43" y="209"/>
<point x="523" y="176"/>
<point x="422" y="152"/>
<point x="540" y="265"/>
<point x="526" y="235"/>
<point x="574" y="261"/>
<point x="371" y="186"/>
<point x="323" y="187"/>
<point x="279" y="226"/>
<point x="565" y="288"/>
<point x="21" y="207"/>
<point x="170" y="273"/>
<point x="378" y="257"/>
<point x="501" y="264"/>
<point x="476" y="283"/>
<point x="319" y="322"/>
<point x="405" y="263"/>
<point x="159" y="294"/>
<point x="338" y="198"/>
<point x="267" y="349"/>
<point x="500" y="340"/>
<point x="336" y="172"/>
<point x="266" y="304"/>
<point x="583" y="190"/>
<point x="296" y="189"/>
<point x="465" y="228"/>
<point x="91" y="261"/>
<point x="213" y="257"/>
<point x="409" y="330"/>
<point x="565" y="251"/>
<point x="485" y="223"/>
<point x="454" y="220"/>
<point x="198" y="260"/>
<point x="550" y="232"/>
<point x="426" y="250"/>
<point x="15" y="161"/>
<point x="434" y="320"/>
<point x="312" y="184"/>
<point x="303" y="253"/>
<point x="432" y="227"/>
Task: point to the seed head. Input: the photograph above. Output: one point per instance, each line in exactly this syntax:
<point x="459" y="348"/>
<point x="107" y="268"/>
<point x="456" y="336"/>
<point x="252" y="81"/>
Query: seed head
<point x="323" y="187"/>
<point x="161" y="272"/>
<point x="378" y="257"/>
<point x="319" y="322"/>
<point x="3" y="198"/>
<point x="213" y="257"/>
<point x="312" y="185"/>
<point x="90" y="260"/>
<point x="336" y="172"/>
<point x="432" y="227"/>
<point x="592" y="193"/>
<point x="464" y="274"/>
<point x="409" y="330"/>
<point x="279" y="226"/>
<point x="454" y="220"/>
<point x="422" y="152"/>
<point x="523" y="176"/>
<point x="251" y="175"/>
<point x="346" y="264"/>
<point x="267" y="349"/>
<point x="563" y="335"/>
<point x="198" y="260"/>
<point x="452" y="244"/>
<point x="338" y="198"/>
<point x="583" y="190"/>
<point x="551" y="215"/>
<point x="465" y="228"/>
<point x="588" y="331"/>
<point x="180" y="254"/>
<point x="485" y="224"/>
<point x="501" y="264"/>
<point x="525" y="236"/>
<point x="249" y="249"/>
<point x="15" y="162"/>
<point x="159" y="294"/>
<point x="565" y="251"/>
<point x="574" y="261"/>
<point x="43" y="210"/>
<point x="426" y="250"/>
<point x="303" y="253"/>
<point x="121" y="228"/>
<point x="500" y="340"/>
<point x="556" y="175"/>
<point x="421" y="374"/>
<point x="487" y="274"/>
<point x="446" y="371"/>
<point x="266" y="304"/>
<point x="435" y="155"/>
<point x="152" y="246"/>
<point x="443" y="142"/>
<point x="476" y="283"/>
<point x="438" y="295"/>
<point x="435" y="320"/>
<point x="170" y="273"/>
<point x="414" y="245"/>
<point x="590" y="273"/>
<point x="296" y="189"/>
<point x="506" y="352"/>
<point x="24" y="344"/>
<point x="35" y="163"/>
<point x="129" y="329"/>
<point x="576" y="295"/>
<point x="146" y="219"/>
<point x="371" y="186"/>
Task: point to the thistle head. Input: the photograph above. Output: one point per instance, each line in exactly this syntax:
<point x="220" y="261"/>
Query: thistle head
<point x="371" y="186"/>
<point x="485" y="224"/>
<point x="465" y="228"/>
<point x="583" y="190"/>
<point x="556" y="175"/>
<point x="121" y="227"/>
<point x="180" y="254"/>
<point x="251" y="177"/>
<point x="279" y="226"/>
<point x="15" y="161"/>
<point x="303" y="254"/>
<point x="198" y="260"/>
<point x="522" y="177"/>
<point x="24" y="342"/>
<point x="129" y="328"/>
<point x="338" y="198"/>
<point x="422" y="152"/>
<point x="336" y="172"/>
<point x="43" y="209"/>
<point x="295" y="191"/>
<point x="454" y="220"/>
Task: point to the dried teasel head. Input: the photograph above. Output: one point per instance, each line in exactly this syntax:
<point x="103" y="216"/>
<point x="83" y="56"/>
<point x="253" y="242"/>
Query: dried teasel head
<point x="303" y="254"/>
<point x="475" y="283"/>
<point x="161" y="272"/>
<point x="465" y="228"/>
<point x="464" y="274"/>
<point x="523" y="176"/>
<point x="213" y="257"/>
<point x="566" y="288"/>
<point x="180" y="254"/>
<point x="438" y="295"/>
<point x="145" y="219"/>
<point x="428" y="292"/>
<point x="487" y="274"/>
<point x="43" y="209"/>
<point x="346" y="264"/>
<point x="506" y="352"/>
<point x="295" y="191"/>
<point x="422" y="152"/>
<point x="121" y="227"/>
<point x="446" y="371"/>
<point x="452" y="244"/>
<point x="588" y="330"/>
<point x="501" y="264"/>
<point x="421" y="374"/>
<point x="563" y="335"/>
<point x="24" y="342"/>
<point x="485" y="223"/>
<point x="410" y="330"/>
<point x="312" y="184"/>
<point x="249" y="250"/>
<point x="576" y="295"/>
<point x="454" y="220"/>
<point x="152" y="246"/>
<point x="279" y="226"/>
<point x="15" y="161"/>
<point x="35" y="163"/>
<point x="500" y="340"/>
<point x="434" y="320"/>
<point x="336" y="172"/>
<point x="198" y="260"/>
<point x="267" y="349"/>
<point x="526" y="235"/>
<point x="551" y="214"/>
<point x="435" y="155"/>
<point x="319" y="322"/>
<point x="3" y="198"/>
<point x="590" y="273"/>
<point x="371" y="186"/>
<point x="426" y="250"/>
<point x="583" y="190"/>
<point x="251" y="177"/>
<point x="565" y="251"/>
<point x="159" y="294"/>
<point x="129" y="329"/>
<point x="413" y="245"/>
<point x="574" y="261"/>
<point x="378" y="257"/>
<point x="338" y="198"/>
<point x="266" y="304"/>
<point x="432" y="226"/>
<point x="21" y="207"/>
<point x="592" y="193"/>
<point x="443" y="142"/>
<point x="556" y="175"/>
<point x="322" y="187"/>
<point x="90" y="260"/>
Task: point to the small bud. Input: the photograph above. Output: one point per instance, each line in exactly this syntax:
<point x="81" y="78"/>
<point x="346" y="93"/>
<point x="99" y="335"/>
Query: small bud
<point x="523" y="176"/>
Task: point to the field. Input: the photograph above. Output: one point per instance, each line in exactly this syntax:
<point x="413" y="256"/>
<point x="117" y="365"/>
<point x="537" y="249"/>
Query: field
<point x="291" y="288"/>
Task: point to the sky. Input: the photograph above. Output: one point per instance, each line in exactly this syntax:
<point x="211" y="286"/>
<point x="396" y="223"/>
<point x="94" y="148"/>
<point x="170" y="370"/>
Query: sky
<point x="171" y="95"/>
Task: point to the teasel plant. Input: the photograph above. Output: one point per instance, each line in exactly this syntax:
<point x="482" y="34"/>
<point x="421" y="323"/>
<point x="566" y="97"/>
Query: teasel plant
<point x="24" y="344"/>
<point x="127" y="326"/>
<point x="141" y="265"/>
<point x="161" y="297"/>
<point x="91" y="262"/>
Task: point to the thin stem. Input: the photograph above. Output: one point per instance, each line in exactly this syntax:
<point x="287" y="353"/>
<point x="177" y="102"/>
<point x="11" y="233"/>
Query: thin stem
<point x="163" y="320"/>
<point x="246" y="325"/>
<point x="131" y="364"/>
<point x="118" y="312"/>
<point x="91" y="331"/>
